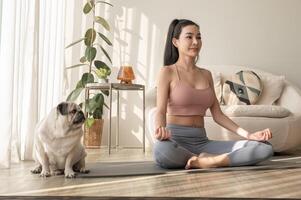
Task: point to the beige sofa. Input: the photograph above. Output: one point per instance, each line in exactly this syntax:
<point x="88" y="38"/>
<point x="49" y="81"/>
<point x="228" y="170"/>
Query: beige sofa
<point x="278" y="108"/>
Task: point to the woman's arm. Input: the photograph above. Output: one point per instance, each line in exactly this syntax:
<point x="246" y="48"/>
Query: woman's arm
<point x="163" y="83"/>
<point x="220" y="118"/>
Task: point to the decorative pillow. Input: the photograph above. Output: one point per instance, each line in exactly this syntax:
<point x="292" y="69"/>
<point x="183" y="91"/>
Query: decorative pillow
<point x="216" y="76"/>
<point x="243" y="88"/>
<point x="273" y="87"/>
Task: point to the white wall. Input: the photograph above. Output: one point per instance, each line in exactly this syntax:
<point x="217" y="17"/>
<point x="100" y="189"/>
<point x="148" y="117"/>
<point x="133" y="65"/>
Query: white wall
<point x="0" y="18"/>
<point x="264" y="34"/>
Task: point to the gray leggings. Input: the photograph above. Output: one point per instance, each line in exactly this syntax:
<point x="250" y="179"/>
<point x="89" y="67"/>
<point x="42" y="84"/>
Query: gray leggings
<point x="188" y="141"/>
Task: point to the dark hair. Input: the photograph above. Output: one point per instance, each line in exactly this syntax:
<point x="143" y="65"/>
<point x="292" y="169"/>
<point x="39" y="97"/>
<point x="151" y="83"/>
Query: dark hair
<point x="171" y="53"/>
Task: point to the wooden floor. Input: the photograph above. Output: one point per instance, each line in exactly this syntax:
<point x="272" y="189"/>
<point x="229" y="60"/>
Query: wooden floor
<point x="280" y="183"/>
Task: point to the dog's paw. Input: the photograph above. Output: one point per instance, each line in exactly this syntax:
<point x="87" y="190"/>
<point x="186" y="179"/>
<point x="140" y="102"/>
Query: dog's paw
<point x="36" y="170"/>
<point x="84" y="170"/>
<point x="57" y="172"/>
<point x="45" y="173"/>
<point x="70" y="174"/>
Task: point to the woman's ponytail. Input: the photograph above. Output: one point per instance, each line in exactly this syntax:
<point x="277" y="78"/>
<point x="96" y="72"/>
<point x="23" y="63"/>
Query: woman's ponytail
<point x="171" y="53"/>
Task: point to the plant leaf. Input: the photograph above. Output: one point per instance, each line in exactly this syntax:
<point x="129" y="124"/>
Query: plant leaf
<point x="105" y="38"/>
<point x="79" y="84"/>
<point x="74" y="94"/>
<point x="97" y="114"/>
<point x="89" y="122"/>
<point x="88" y="7"/>
<point x="73" y="43"/>
<point x="90" y="53"/>
<point x="99" y="64"/>
<point x="77" y="65"/>
<point x="99" y="99"/>
<point x="102" y="73"/>
<point x="106" y="54"/>
<point x="94" y="106"/>
<point x="104" y="2"/>
<point x="103" y="22"/>
<point x="87" y="78"/>
<point x="90" y="36"/>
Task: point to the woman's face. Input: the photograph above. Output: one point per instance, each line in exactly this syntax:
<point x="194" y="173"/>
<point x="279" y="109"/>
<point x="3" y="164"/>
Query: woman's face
<point x="189" y="42"/>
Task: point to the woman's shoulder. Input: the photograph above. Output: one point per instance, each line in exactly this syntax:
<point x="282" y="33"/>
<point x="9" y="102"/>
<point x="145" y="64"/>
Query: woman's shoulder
<point x="204" y="71"/>
<point x="167" y="70"/>
<point x="166" y="74"/>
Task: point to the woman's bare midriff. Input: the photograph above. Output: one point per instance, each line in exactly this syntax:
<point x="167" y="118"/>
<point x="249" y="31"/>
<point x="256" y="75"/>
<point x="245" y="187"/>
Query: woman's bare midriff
<point x="193" y="120"/>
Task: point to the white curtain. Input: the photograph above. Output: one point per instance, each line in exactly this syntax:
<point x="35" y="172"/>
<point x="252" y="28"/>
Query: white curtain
<point x="31" y="71"/>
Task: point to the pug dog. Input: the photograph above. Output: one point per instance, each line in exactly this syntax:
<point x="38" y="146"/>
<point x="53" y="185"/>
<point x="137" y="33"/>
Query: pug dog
<point x="58" y="145"/>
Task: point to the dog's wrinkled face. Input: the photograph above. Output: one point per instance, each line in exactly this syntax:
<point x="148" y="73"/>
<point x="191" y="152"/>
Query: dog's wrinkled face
<point x="71" y="114"/>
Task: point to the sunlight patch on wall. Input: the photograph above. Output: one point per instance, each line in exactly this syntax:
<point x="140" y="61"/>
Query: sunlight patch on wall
<point x="138" y="111"/>
<point x="126" y="35"/>
<point x="138" y="134"/>
<point x="152" y="68"/>
<point x="143" y="48"/>
<point x="123" y="105"/>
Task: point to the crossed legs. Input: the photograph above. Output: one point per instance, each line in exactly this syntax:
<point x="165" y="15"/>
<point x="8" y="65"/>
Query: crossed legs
<point x="169" y="154"/>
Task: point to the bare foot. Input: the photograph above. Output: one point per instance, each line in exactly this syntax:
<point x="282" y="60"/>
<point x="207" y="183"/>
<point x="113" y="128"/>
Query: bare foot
<point x="206" y="160"/>
<point x="203" y="161"/>
<point x="196" y="162"/>
<point x="190" y="163"/>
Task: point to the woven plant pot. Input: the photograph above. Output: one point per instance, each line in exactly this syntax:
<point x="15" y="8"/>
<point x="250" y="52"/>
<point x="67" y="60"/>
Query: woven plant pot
<point x="92" y="137"/>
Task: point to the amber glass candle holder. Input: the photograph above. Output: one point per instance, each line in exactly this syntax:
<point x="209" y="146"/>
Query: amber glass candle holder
<point x="126" y="74"/>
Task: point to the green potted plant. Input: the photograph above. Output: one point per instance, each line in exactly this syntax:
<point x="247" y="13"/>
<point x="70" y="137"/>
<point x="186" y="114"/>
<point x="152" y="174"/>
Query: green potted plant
<point x="98" y="71"/>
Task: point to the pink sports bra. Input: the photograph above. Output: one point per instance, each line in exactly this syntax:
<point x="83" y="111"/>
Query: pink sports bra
<point x="185" y="100"/>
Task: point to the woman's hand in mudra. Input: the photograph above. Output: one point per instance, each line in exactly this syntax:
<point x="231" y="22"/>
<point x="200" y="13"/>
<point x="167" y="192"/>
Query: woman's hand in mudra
<point x="162" y="133"/>
<point x="262" y="135"/>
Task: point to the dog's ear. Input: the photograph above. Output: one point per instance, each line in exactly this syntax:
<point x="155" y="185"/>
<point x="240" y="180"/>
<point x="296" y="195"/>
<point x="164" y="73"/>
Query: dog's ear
<point x="63" y="108"/>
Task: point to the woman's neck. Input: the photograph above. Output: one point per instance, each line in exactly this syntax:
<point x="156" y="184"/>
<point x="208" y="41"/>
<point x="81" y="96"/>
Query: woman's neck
<point x="186" y="64"/>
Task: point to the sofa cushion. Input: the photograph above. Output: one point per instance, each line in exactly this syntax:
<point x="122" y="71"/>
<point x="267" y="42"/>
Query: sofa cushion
<point x="216" y="76"/>
<point x="272" y="89"/>
<point x="271" y="111"/>
<point x="244" y="87"/>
